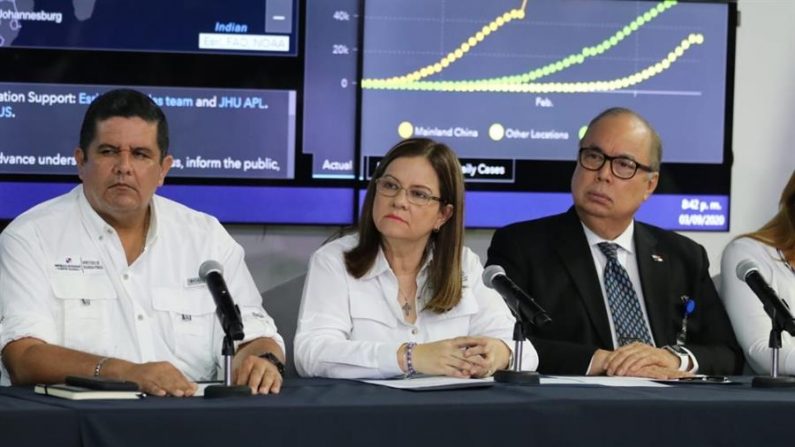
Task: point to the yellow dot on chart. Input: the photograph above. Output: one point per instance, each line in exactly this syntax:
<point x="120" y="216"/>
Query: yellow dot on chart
<point x="405" y="130"/>
<point x="465" y="47"/>
<point x="665" y="64"/>
<point x="445" y="63"/>
<point x="500" y="21"/>
<point x="699" y="39"/>
<point x="459" y="54"/>
<point x="472" y="41"/>
<point x="679" y="51"/>
<point x="685" y="45"/>
<point x="479" y="36"/>
<point x="582" y="131"/>
<point x="437" y="67"/>
<point x="496" y="132"/>
<point x="493" y="26"/>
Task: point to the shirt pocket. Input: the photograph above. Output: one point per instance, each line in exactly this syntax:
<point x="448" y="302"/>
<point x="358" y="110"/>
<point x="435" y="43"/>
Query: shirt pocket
<point x="188" y="316"/>
<point x="371" y="318"/>
<point x="88" y="302"/>
<point x="455" y="322"/>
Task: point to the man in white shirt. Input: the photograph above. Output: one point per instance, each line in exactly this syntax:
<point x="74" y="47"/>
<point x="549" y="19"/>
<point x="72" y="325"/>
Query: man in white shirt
<point x="103" y="281"/>
<point x="625" y="298"/>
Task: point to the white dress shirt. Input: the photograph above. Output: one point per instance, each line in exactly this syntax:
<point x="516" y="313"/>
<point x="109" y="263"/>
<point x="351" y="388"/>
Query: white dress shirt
<point x="750" y="321"/>
<point x="353" y="328"/>
<point x="64" y="279"/>
<point x="627" y="257"/>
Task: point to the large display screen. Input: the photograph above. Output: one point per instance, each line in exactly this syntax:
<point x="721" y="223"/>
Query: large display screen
<point x="512" y="84"/>
<point x="249" y="88"/>
<point x="280" y="109"/>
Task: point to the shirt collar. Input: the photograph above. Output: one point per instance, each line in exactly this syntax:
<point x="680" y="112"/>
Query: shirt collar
<point x="381" y="265"/>
<point x="97" y="225"/>
<point x="624" y="240"/>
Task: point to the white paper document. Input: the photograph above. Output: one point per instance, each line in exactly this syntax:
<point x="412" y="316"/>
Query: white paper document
<point x="600" y="381"/>
<point x="432" y="383"/>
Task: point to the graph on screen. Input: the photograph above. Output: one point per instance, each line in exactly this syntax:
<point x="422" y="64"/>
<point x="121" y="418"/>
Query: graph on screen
<point x="519" y="79"/>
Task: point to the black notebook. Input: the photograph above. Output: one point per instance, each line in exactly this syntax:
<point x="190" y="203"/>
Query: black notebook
<point x="80" y="393"/>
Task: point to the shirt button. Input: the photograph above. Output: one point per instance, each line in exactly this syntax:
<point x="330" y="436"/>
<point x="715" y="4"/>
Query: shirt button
<point x="140" y="317"/>
<point x="126" y="276"/>
<point x="414" y="331"/>
<point x="100" y="237"/>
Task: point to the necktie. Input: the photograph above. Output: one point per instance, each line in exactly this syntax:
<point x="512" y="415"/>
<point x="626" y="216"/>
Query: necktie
<point x="624" y="304"/>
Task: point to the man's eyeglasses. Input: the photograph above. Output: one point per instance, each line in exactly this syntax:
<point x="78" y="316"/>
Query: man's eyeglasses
<point x="387" y="186"/>
<point x="622" y="167"/>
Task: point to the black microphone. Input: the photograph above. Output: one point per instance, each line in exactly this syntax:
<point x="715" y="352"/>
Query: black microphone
<point x="522" y="305"/>
<point x="227" y="311"/>
<point x="775" y="307"/>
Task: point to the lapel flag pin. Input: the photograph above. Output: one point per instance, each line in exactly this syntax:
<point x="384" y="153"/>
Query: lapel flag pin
<point x="657" y="258"/>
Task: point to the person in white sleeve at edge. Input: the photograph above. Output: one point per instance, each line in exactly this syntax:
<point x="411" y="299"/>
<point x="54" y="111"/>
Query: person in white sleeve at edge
<point x="103" y="280"/>
<point x="772" y="249"/>
<point x="403" y="295"/>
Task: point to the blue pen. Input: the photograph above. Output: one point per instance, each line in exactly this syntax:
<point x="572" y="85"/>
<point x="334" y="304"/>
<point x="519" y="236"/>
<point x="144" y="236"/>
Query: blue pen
<point x="688" y="306"/>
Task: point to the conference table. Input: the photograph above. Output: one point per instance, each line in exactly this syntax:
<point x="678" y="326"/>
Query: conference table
<point x="325" y="412"/>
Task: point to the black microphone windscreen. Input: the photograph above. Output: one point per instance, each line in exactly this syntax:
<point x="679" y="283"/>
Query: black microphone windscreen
<point x="745" y="267"/>
<point x="208" y="267"/>
<point x="489" y="273"/>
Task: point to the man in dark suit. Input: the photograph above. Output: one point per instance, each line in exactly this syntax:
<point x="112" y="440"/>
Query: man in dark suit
<point x="618" y="290"/>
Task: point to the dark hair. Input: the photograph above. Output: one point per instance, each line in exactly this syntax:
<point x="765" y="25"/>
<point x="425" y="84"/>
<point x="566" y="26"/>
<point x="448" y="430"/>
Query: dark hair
<point x="126" y="103"/>
<point x="656" y="142"/>
<point x="445" y="278"/>
<point x="779" y="233"/>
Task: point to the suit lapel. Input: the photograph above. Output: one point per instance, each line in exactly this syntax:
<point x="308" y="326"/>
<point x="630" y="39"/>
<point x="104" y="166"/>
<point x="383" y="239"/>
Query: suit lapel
<point x="574" y="252"/>
<point x="654" y="274"/>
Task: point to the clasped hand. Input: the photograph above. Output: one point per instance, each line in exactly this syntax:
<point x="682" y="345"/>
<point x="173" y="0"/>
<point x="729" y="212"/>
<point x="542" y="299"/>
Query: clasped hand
<point x="461" y="357"/>
<point x="637" y="360"/>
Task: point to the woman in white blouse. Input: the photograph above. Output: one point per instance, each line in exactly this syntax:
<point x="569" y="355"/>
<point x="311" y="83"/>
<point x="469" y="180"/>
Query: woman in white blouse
<point x="403" y="295"/>
<point x="772" y="248"/>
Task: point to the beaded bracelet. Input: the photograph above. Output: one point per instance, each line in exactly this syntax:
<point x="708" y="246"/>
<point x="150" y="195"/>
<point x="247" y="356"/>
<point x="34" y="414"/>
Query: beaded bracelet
<point x="98" y="367"/>
<point x="410" y="371"/>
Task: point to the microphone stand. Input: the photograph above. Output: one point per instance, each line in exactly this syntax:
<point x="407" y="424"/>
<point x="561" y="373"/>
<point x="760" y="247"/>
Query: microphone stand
<point x="227" y="389"/>
<point x="516" y="376"/>
<point x="774" y="380"/>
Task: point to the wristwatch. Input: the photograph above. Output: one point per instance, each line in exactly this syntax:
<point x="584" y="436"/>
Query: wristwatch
<point x="271" y="357"/>
<point x="681" y="354"/>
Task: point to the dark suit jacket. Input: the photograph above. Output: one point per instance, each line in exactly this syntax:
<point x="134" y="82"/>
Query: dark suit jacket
<point x="550" y="259"/>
